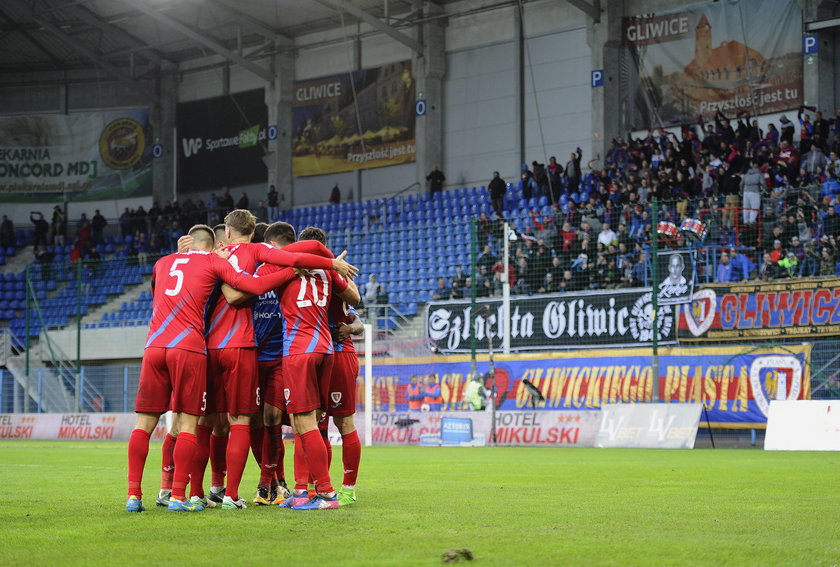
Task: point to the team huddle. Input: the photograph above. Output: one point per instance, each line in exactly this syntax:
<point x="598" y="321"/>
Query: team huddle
<point x="248" y="334"/>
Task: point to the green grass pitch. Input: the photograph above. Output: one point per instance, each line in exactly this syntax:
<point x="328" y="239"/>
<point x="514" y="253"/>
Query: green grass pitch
<point x="63" y="504"/>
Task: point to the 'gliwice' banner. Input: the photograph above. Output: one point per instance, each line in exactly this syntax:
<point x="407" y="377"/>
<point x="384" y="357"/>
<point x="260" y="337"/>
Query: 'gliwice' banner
<point x="551" y="322"/>
<point x="763" y="310"/>
<point x="736" y="384"/>
<point x="85" y="155"/>
<point x="716" y="56"/>
<point x="354" y="121"/>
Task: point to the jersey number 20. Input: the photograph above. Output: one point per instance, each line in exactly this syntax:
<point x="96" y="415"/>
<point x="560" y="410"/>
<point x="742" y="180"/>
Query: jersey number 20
<point x="310" y="280"/>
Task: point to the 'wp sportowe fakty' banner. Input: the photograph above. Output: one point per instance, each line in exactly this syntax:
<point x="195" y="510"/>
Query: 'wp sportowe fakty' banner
<point x="85" y="155"/>
<point x="736" y="384"/>
<point x="716" y="56"/>
<point x="551" y="322"/>
<point x="762" y="310"/>
<point x="222" y="141"/>
<point x="355" y="120"/>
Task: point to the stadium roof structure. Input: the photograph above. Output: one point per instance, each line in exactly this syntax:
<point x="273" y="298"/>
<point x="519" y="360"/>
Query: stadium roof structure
<point x="140" y="40"/>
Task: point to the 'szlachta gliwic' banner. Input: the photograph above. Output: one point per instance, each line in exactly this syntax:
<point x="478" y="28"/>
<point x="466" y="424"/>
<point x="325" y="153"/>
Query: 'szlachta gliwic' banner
<point x="552" y="322"/>
<point x="221" y="141"/>
<point x="736" y="384"/>
<point x="355" y="120"/>
<point x="753" y="311"/>
<point x="85" y="155"/>
<point x="715" y="56"/>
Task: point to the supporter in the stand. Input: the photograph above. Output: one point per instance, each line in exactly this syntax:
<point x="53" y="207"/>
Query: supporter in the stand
<point x="371" y="290"/>
<point x="742" y="267"/>
<point x="724" y="269"/>
<point x="435" y="179"/>
<point x="59" y="226"/>
<point x="769" y="269"/>
<point x="573" y="173"/>
<point x="809" y="264"/>
<point x="486" y="258"/>
<point x="41" y="229"/>
<point x="497" y="188"/>
<point x="7" y="233"/>
<point x="441" y="292"/>
<point x="789" y="264"/>
<point x="828" y="261"/>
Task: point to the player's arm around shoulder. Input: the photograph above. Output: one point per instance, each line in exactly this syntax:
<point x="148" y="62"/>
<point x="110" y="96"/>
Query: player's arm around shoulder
<point x="346" y="289"/>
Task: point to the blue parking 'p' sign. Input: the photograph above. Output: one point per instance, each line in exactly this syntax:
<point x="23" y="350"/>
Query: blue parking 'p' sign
<point x="809" y="45"/>
<point x="597" y="78"/>
<point x="157" y="151"/>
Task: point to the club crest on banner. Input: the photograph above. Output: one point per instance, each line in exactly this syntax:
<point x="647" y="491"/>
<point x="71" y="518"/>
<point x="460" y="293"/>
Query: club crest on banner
<point x="775" y="377"/>
<point x="700" y="313"/>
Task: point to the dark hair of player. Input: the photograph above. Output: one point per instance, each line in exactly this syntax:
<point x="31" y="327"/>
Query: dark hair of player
<point x="241" y="221"/>
<point x="313" y="233"/>
<point x="280" y="232"/>
<point x="259" y="232"/>
<point x="203" y="234"/>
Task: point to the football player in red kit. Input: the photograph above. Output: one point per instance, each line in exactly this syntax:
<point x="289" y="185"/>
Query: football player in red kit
<point x="173" y="371"/>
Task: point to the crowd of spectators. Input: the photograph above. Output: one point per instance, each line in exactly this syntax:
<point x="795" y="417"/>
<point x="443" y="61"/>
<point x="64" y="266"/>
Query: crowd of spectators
<point x="767" y="199"/>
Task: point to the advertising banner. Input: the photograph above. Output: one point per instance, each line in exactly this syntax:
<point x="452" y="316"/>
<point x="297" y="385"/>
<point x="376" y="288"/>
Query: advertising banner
<point x="355" y="120"/>
<point x="803" y="426"/>
<point x="69" y="426"/>
<point x="676" y="269"/>
<point x="85" y="155"/>
<point x="648" y="426"/>
<point x="735" y="383"/>
<point x="543" y="428"/>
<point x="762" y="310"/>
<point x="710" y="57"/>
<point x="222" y="141"/>
<point x="551" y="322"/>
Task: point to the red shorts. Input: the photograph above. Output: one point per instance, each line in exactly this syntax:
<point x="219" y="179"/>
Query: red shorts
<point x="271" y="383"/>
<point x="342" y="400"/>
<point x="172" y="379"/>
<point x="233" y="381"/>
<point x="306" y="381"/>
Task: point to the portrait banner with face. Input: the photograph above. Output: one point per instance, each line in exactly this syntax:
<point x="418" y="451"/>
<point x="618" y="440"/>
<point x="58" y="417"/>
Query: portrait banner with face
<point x="676" y="277"/>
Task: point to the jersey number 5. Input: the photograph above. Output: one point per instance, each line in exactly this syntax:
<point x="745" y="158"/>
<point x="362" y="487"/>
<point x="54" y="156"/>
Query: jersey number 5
<point x="178" y="275"/>
<point x="319" y="301"/>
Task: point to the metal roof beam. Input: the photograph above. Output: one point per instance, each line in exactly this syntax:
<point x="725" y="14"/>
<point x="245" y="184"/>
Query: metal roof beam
<point x="111" y="30"/>
<point x="375" y="23"/>
<point x="253" y="24"/>
<point x="38" y="45"/>
<point x="592" y="10"/>
<point x="83" y="49"/>
<point x="184" y="29"/>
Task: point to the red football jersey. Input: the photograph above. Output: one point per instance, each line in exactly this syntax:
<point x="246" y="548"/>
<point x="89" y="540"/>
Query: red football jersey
<point x="304" y="301"/>
<point x="341" y="313"/>
<point x="231" y="326"/>
<point x="181" y="286"/>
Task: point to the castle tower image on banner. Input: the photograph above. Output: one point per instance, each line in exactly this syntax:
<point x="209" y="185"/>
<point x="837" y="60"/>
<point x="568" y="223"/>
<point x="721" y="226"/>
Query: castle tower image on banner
<point x="730" y="62"/>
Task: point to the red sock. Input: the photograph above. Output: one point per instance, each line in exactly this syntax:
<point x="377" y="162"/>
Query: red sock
<point x="301" y="467"/>
<point x="237" y="456"/>
<point x="326" y="437"/>
<point x="167" y="462"/>
<point x="280" y="472"/>
<point x="138" y="450"/>
<point x="184" y="454"/>
<point x="202" y="455"/>
<point x="218" y="459"/>
<point x="257" y="443"/>
<point x="316" y="458"/>
<point x="351" y="456"/>
<point x="271" y="453"/>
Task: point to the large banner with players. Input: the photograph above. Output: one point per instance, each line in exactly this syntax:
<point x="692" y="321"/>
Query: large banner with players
<point x="222" y="141"/>
<point x="355" y="120"/>
<point x="83" y="155"/>
<point x="761" y="311"/>
<point x="715" y="56"/>
<point x="551" y="322"/>
<point x="736" y="384"/>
